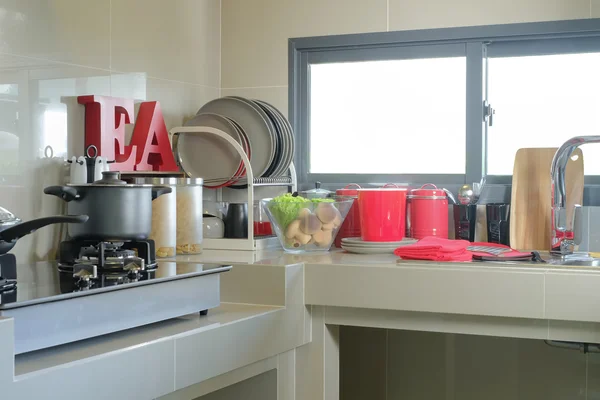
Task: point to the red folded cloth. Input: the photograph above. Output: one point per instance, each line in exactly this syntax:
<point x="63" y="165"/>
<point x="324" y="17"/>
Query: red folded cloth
<point x="433" y="248"/>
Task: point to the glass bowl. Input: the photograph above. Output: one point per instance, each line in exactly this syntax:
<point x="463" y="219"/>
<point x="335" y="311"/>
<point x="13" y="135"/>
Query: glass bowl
<point x="304" y="225"/>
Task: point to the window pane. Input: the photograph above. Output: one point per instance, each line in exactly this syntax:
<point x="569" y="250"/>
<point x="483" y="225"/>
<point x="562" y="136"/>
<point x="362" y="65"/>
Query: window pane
<point x="542" y="101"/>
<point x="388" y="117"/>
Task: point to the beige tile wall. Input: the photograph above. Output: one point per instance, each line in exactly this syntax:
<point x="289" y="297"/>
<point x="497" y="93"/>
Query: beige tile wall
<point x="255" y="32"/>
<point x="424" y="365"/>
<point x="53" y="50"/>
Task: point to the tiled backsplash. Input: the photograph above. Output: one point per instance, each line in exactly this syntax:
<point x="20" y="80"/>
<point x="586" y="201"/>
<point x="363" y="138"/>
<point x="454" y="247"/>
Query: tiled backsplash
<point x="54" y="50"/>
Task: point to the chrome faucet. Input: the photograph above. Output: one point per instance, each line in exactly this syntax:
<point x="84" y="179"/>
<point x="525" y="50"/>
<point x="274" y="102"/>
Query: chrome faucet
<point x="566" y="234"/>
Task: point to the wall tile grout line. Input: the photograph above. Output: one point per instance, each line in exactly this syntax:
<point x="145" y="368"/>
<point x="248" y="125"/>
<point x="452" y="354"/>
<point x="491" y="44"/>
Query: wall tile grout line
<point x="255" y="87"/>
<point x="387" y="15"/>
<point x="110" y="35"/>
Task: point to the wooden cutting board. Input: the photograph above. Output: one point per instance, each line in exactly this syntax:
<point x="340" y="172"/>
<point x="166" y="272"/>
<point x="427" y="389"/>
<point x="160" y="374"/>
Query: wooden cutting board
<point x="530" y="227"/>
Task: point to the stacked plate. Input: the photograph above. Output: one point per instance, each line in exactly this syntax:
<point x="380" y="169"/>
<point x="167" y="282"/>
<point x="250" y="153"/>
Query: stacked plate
<point x="359" y="246"/>
<point x="261" y="130"/>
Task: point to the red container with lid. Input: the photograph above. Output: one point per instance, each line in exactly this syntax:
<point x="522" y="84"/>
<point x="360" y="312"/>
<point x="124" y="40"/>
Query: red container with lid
<point x="382" y="214"/>
<point x="428" y="212"/>
<point x="351" y="225"/>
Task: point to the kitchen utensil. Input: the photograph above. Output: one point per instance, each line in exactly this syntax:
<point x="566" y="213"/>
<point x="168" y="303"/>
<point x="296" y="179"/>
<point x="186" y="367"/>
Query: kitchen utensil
<point x="254" y="122"/>
<point x="164" y="209"/>
<point x="309" y="225"/>
<point x="498" y="223"/>
<point x="189" y="216"/>
<point x="12" y="228"/>
<point x="351" y="225"/>
<point x="465" y="194"/>
<point x="236" y="221"/>
<point x="465" y="221"/>
<point x="209" y="156"/>
<point x="116" y="210"/>
<point x="531" y="196"/>
<point x="382" y="214"/>
<point x="428" y="212"/>
<point x="212" y="227"/>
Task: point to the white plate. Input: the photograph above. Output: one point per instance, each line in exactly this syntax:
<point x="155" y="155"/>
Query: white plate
<point x="208" y="156"/>
<point x="366" y="250"/>
<point x="255" y="124"/>
<point x="358" y="242"/>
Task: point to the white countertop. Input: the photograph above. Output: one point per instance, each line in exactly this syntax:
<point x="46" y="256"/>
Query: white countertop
<point x="266" y="310"/>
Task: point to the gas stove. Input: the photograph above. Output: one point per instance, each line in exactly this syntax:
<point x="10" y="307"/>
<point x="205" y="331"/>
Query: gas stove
<point x="100" y="288"/>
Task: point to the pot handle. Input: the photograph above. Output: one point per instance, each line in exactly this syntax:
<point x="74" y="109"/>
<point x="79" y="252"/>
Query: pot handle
<point x="25" y="228"/>
<point x="159" y="191"/>
<point x="66" y="193"/>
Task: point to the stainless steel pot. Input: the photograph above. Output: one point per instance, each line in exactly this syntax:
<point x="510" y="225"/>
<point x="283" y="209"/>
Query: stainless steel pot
<point x="117" y="211"/>
<point x="11" y="227"/>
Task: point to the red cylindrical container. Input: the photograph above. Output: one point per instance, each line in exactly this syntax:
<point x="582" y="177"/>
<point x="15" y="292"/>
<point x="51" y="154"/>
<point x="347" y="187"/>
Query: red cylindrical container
<point x="382" y="214"/>
<point x="351" y="225"/>
<point x="428" y="212"/>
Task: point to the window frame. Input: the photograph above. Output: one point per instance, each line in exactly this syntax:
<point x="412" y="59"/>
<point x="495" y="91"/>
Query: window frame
<point x="517" y="39"/>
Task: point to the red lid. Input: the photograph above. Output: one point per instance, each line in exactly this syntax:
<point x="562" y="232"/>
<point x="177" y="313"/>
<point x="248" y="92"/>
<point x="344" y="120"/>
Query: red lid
<point x="348" y="192"/>
<point x="434" y="192"/>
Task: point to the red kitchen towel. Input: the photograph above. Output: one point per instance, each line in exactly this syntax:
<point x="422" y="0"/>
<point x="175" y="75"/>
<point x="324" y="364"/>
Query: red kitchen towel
<point x="436" y="249"/>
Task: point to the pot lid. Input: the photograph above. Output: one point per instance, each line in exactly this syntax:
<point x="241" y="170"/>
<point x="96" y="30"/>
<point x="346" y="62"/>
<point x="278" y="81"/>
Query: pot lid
<point x="110" y="178"/>
<point x="316" y="193"/>
<point x="8" y="218"/>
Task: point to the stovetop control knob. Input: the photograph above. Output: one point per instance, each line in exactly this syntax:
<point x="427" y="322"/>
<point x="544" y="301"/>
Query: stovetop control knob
<point x="83" y="277"/>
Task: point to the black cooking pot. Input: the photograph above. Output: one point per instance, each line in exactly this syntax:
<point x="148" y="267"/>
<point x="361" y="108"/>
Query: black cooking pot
<point x="11" y="227"/>
<point x="117" y="211"/>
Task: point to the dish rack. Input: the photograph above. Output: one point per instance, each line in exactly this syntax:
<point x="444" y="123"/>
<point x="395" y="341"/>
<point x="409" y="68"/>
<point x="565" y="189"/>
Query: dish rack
<point x="251" y="243"/>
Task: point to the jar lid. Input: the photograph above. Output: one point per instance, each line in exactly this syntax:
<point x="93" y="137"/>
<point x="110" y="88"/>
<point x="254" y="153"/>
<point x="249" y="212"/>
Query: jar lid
<point x="423" y="192"/>
<point x="346" y="191"/>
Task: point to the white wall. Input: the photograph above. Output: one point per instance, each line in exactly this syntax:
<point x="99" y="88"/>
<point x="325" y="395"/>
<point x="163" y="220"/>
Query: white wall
<point x="143" y="49"/>
<point x="255" y="32"/>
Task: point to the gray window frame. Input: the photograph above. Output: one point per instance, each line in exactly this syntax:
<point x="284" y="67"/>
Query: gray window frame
<point x="479" y="42"/>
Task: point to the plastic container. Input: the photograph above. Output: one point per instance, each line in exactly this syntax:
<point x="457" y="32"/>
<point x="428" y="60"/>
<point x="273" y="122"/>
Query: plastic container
<point x="189" y="216"/>
<point x="351" y="225"/>
<point x="382" y="214"/>
<point x="308" y="226"/>
<point x="428" y="212"/>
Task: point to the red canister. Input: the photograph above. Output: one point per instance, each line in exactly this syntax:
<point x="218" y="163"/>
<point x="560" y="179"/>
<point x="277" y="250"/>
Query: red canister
<point x="428" y="212"/>
<point x="382" y="214"/>
<point x="351" y="225"/>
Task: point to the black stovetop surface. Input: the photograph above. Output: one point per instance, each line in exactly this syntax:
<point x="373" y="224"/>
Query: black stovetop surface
<point x="43" y="282"/>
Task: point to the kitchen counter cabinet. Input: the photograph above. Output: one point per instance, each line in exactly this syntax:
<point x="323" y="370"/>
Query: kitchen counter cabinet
<point x="183" y="357"/>
<point x="283" y="312"/>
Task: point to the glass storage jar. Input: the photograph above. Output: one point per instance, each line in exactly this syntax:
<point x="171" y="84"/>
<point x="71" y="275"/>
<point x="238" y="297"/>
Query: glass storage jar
<point x="164" y="209"/>
<point x="189" y="216"/>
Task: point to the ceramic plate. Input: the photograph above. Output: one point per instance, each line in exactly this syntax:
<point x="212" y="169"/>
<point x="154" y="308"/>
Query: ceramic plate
<point x="358" y="242"/>
<point x="367" y="250"/>
<point x="288" y="137"/>
<point x="275" y="166"/>
<point x="207" y="156"/>
<point x="255" y="123"/>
